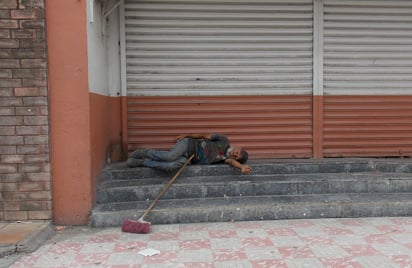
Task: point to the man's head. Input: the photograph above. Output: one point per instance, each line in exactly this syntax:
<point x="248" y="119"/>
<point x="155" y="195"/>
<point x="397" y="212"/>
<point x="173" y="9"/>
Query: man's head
<point x="237" y="153"/>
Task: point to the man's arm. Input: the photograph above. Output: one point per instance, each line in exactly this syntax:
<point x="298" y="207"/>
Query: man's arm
<point x="244" y="168"/>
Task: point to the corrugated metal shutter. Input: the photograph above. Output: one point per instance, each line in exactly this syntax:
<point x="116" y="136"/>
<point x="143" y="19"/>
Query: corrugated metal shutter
<point x="268" y="127"/>
<point x="228" y="47"/>
<point x="367" y="78"/>
<point x="222" y="48"/>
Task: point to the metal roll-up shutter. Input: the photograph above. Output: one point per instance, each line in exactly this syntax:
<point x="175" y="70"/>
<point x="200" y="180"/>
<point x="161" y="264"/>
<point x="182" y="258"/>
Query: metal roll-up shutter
<point x="228" y="47"/>
<point x="191" y="64"/>
<point x="367" y="78"/>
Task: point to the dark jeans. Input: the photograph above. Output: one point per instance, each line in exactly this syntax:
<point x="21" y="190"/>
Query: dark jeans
<point x="168" y="160"/>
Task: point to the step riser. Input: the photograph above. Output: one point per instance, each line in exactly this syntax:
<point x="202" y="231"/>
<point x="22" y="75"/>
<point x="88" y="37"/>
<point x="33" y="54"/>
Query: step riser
<point x="262" y="212"/>
<point x="182" y="191"/>
<point x="265" y="169"/>
<point x="285" y="189"/>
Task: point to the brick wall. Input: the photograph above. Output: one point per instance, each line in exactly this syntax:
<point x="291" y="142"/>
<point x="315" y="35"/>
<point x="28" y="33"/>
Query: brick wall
<point x="25" y="185"/>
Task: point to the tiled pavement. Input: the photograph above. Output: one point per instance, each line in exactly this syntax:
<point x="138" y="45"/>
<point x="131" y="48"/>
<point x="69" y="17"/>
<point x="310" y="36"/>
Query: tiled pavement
<point x="358" y="242"/>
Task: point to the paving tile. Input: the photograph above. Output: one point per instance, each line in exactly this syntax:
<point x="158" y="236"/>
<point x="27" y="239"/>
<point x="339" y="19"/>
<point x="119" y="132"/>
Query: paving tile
<point x="262" y="254"/>
<point x="328" y="251"/>
<point x="390" y="249"/>
<point x="329" y="243"/>
<point x="376" y="262"/>
<point x="228" y="243"/>
<point x="304" y="263"/>
<point x="195" y="256"/>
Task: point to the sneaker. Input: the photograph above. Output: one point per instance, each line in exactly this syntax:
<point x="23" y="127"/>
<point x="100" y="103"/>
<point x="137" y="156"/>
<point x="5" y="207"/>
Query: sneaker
<point x="138" y="154"/>
<point x="132" y="162"/>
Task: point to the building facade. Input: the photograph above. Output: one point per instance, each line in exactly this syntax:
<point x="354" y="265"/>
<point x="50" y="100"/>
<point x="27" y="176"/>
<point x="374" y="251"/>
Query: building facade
<point x="83" y="80"/>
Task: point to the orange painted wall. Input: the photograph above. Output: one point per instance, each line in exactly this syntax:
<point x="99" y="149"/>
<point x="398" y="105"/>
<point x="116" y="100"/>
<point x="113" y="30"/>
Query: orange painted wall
<point x="69" y="111"/>
<point x="105" y="126"/>
<point x="83" y="124"/>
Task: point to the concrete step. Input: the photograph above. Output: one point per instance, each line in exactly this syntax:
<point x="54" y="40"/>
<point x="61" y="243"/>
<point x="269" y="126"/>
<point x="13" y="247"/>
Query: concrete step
<point x="237" y="185"/>
<point x="119" y="171"/>
<point x="257" y="208"/>
<point x="277" y="189"/>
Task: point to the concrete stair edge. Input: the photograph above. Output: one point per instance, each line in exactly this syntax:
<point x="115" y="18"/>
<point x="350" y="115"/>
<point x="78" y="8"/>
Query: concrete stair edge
<point x="262" y="208"/>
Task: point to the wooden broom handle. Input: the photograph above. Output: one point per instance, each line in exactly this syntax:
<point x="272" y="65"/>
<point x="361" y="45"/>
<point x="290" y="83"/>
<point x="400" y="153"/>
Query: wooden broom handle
<point x="167" y="186"/>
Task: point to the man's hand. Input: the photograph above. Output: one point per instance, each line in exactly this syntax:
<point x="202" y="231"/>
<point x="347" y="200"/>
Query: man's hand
<point x="246" y="169"/>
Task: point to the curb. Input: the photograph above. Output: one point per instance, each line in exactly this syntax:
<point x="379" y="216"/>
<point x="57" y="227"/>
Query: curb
<point x="30" y="242"/>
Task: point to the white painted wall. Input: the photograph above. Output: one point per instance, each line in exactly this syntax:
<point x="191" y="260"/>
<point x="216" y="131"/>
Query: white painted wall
<point x="103" y="48"/>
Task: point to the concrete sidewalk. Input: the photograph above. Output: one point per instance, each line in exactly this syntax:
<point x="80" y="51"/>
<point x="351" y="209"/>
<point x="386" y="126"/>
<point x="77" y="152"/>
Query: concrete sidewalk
<point x="23" y="237"/>
<point x="309" y="243"/>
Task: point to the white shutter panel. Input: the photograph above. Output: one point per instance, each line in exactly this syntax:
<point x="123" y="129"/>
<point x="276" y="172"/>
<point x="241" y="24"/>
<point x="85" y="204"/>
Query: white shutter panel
<point x="368" y="47"/>
<point x="228" y="47"/>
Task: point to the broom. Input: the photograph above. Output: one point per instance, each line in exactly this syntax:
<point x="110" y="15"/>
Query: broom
<point x="141" y="226"/>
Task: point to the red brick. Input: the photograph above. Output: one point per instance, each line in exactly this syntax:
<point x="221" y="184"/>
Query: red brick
<point x="4" y="13"/>
<point x="16" y="215"/>
<point x="29" y="73"/>
<point x="7" y="111"/>
<point x="4" y="169"/>
<point x="28" y="13"/>
<point x="11" y="140"/>
<point x="8" y="4"/>
<point x="13" y="177"/>
<point x="9" y="63"/>
<point x="35" y="100"/>
<point x="11" y="205"/>
<point x="47" y="185"/>
<point x="32" y="149"/>
<point x="35" y="120"/>
<point x="31" y="43"/>
<point x="9" y="187"/>
<point x="31" y="130"/>
<point x="28" y="110"/>
<point x="11" y="83"/>
<point x="31" y="3"/>
<point x="38" y="139"/>
<point x="45" y="176"/>
<point x="25" y="33"/>
<point x="33" y="63"/>
<point x="12" y="159"/>
<point x="9" y="24"/>
<point x="9" y="130"/>
<point x="8" y="149"/>
<point x="6" y="73"/>
<point x="35" y="205"/>
<point x="44" y="110"/>
<point x="10" y="121"/>
<point x="40" y="195"/>
<point x="26" y="91"/>
<point x="43" y="91"/>
<point x="31" y="24"/>
<point x="9" y="43"/>
<point x="40" y="215"/>
<point x="7" y="102"/>
<point x="30" y="168"/>
<point x="15" y="196"/>
<point x="5" y="33"/>
<point x="6" y="92"/>
<point x="37" y="158"/>
<point x="30" y="186"/>
<point x="25" y="53"/>
<point x="36" y="82"/>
